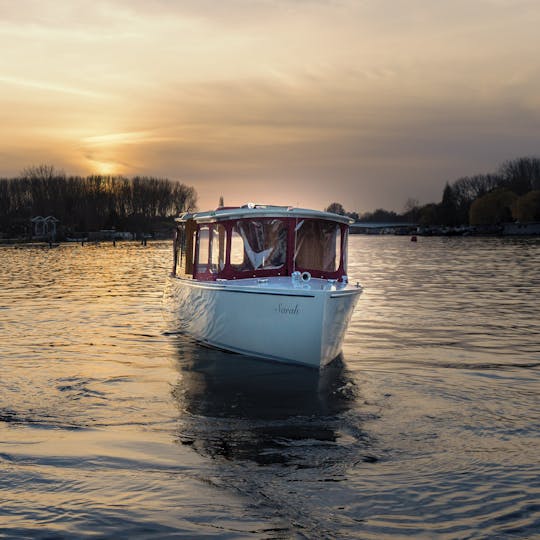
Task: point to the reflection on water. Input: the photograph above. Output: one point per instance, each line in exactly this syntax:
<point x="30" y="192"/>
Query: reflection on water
<point x="242" y="408"/>
<point x="219" y="384"/>
<point x="275" y="435"/>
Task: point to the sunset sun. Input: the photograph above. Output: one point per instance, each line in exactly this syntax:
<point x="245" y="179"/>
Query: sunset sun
<point x="106" y="168"/>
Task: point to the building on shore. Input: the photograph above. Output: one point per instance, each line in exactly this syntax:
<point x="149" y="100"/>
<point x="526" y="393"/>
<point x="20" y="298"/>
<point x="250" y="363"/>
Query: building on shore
<point x="44" y="228"/>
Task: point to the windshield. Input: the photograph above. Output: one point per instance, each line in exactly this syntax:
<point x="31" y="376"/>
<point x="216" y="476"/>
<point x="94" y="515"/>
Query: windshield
<point x="258" y="245"/>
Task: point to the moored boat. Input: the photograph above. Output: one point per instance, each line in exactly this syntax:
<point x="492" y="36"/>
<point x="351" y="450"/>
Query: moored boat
<point x="265" y="281"/>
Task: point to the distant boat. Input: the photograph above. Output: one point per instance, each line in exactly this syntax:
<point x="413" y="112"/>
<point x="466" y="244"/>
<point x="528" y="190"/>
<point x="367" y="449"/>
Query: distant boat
<point x="265" y="281"/>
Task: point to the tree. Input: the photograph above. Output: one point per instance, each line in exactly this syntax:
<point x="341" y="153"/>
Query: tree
<point x="184" y="199"/>
<point x="468" y="188"/>
<point x="336" y="208"/>
<point x="449" y="207"/>
<point x="411" y="210"/>
<point x="521" y="175"/>
<point x="527" y="207"/>
<point x="380" y="216"/>
<point x="41" y="172"/>
<point x="493" y="208"/>
<point x="428" y="215"/>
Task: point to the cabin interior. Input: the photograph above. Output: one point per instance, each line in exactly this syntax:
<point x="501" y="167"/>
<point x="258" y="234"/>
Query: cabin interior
<point x="260" y="247"/>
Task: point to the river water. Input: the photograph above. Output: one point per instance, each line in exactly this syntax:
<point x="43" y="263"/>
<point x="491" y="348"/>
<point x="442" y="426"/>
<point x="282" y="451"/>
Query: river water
<point x="427" y="427"/>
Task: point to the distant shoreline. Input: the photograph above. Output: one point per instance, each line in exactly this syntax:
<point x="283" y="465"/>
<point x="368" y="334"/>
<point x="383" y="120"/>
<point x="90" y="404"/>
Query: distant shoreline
<point x="401" y="229"/>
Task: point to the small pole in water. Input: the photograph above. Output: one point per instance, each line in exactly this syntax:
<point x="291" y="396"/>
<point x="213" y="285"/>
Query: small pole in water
<point x="414" y="239"/>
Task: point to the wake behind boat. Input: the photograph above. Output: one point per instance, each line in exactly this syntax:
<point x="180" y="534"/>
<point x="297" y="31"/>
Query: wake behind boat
<point x="265" y="281"/>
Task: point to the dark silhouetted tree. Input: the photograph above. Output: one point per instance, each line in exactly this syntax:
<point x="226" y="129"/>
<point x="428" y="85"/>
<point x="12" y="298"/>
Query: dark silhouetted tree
<point x="94" y="202"/>
<point x="411" y="210"/>
<point x="493" y="208"/>
<point x="527" y="207"/>
<point x="380" y="216"/>
<point x="428" y="215"/>
<point x="521" y="175"/>
<point x="448" y="208"/>
<point x="335" y="208"/>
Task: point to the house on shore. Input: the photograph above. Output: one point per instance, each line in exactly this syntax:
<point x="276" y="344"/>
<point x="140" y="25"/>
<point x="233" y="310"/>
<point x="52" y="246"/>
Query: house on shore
<point x="44" y="228"/>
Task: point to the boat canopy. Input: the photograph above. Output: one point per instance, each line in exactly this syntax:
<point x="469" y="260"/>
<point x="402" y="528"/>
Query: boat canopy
<point x="260" y="241"/>
<point x="260" y="210"/>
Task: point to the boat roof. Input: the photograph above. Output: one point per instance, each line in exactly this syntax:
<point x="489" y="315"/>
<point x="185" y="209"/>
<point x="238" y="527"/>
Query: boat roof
<point x="260" y="211"/>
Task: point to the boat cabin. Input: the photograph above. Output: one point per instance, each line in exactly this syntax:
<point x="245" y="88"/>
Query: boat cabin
<point x="260" y="241"/>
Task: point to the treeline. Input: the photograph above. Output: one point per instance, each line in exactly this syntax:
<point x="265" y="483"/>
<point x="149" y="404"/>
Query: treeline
<point x="90" y="203"/>
<point x="512" y="193"/>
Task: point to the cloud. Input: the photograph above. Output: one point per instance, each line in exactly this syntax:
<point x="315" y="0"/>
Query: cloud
<point x="366" y="101"/>
<point x="49" y="87"/>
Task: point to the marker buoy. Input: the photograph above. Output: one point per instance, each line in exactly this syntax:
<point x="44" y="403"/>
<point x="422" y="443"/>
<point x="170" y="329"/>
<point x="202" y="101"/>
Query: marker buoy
<point x="414" y="239"/>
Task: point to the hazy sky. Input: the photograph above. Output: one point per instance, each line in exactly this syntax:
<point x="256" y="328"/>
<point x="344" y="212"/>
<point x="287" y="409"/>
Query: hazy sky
<point x="303" y="102"/>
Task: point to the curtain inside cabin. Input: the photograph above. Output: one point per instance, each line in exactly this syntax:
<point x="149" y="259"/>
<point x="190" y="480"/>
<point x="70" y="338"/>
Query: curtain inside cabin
<point x="318" y="245"/>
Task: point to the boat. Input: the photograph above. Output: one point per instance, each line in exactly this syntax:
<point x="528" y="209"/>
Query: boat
<point x="265" y="281"/>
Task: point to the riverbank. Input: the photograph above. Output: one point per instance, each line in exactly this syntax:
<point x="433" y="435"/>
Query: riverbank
<point x="504" y="229"/>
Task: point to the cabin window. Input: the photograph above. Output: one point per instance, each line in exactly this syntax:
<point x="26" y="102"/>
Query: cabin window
<point x="203" y="248"/>
<point x="237" y="249"/>
<point x="179" y="247"/>
<point x="217" y="248"/>
<point x="191" y="238"/>
<point x="184" y="243"/>
<point x="318" y="245"/>
<point x="258" y="245"/>
<point x="345" y="243"/>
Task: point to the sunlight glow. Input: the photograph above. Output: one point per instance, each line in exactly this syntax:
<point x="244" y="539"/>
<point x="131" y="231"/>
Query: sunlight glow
<point x="104" y="168"/>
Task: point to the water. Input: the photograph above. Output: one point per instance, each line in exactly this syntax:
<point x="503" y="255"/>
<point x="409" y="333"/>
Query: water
<point x="428" y="427"/>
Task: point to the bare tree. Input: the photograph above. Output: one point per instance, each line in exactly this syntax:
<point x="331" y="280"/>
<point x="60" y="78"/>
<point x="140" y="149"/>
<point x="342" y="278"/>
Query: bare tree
<point x="41" y="172"/>
<point x="521" y="175"/>
<point x="335" y="208"/>
<point x="411" y="209"/>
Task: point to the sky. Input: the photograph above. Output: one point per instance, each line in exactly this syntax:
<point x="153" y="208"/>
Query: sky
<point x="297" y="102"/>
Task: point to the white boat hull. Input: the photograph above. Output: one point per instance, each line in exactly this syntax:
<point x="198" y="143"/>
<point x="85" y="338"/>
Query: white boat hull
<point x="270" y="318"/>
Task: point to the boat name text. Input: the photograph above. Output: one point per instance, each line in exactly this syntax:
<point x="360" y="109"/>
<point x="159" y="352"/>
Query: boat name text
<point x="285" y="309"/>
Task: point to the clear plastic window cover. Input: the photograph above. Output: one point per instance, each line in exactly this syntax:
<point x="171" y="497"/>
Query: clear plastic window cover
<point x="204" y="234"/>
<point x="218" y="248"/>
<point x="265" y="243"/>
<point x="180" y="244"/>
<point x="318" y="245"/>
